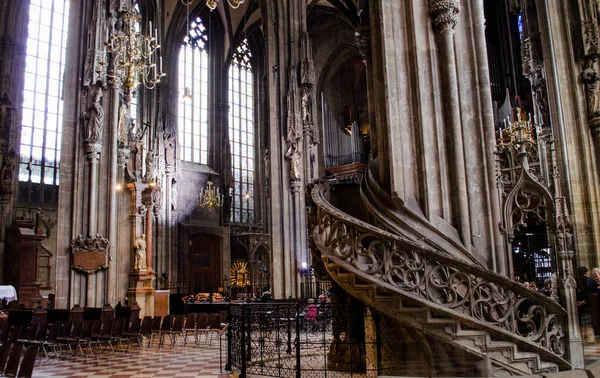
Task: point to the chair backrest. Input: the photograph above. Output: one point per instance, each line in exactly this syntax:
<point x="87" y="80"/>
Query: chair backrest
<point x="23" y="330"/>
<point x="167" y="323"/>
<point x="202" y="320"/>
<point x="4" y="332"/>
<point x="13" y="360"/>
<point x="117" y="329"/>
<point x="178" y="323"/>
<point x="77" y="328"/>
<point x="87" y="327"/>
<point x="42" y="331"/>
<point x="95" y="329"/>
<point x="65" y="331"/>
<point x="4" y="351"/>
<point x="15" y="331"/>
<point x="26" y="369"/>
<point x="135" y="324"/>
<point x="105" y="327"/>
<point x="53" y="331"/>
<point x="146" y="327"/>
<point x="190" y="321"/>
<point x="156" y="323"/>
<point x="223" y="315"/>
<point x="214" y="321"/>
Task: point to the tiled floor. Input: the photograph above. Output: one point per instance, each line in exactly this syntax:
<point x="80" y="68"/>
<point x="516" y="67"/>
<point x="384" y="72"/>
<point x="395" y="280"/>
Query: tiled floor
<point x="177" y="362"/>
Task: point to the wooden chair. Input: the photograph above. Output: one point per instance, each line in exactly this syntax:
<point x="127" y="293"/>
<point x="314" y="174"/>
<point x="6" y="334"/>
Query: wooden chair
<point x="201" y="327"/>
<point x="177" y="329"/>
<point x="26" y="369"/>
<point x="155" y="329"/>
<point x="165" y="329"/>
<point x="13" y="360"/>
<point x="4" y="352"/>
<point x="51" y="339"/>
<point x="190" y="326"/>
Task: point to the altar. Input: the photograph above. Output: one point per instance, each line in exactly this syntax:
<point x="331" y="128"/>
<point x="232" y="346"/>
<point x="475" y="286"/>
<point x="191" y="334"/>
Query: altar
<point x="8" y="292"/>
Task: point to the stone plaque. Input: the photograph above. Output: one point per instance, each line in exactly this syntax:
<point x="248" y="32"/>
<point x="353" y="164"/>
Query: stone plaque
<point x="89" y="261"/>
<point x="90" y="254"/>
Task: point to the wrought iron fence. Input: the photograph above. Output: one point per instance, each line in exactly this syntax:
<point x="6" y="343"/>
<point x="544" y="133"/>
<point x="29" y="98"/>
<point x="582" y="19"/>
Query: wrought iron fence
<point x="300" y="340"/>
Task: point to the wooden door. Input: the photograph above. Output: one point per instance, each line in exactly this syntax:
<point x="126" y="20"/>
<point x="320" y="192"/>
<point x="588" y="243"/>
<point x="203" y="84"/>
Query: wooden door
<point x="205" y="263"/>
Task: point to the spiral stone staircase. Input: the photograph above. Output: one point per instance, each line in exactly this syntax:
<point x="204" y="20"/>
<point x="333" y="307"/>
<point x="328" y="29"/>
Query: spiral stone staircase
<point x="444" y="295"/>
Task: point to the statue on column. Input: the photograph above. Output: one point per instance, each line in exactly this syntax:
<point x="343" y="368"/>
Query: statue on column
<point x="125" y="125"/>
<point x="6" y="111"/>
<point x="95" y="118"/>
<point x="8" y="171"/>
<point x="590" y="79"/>
<point x="295" y="158"/>
<point x="149" y="176"/>
<point x="174" y="195"/>
<point x="140" y="253"/>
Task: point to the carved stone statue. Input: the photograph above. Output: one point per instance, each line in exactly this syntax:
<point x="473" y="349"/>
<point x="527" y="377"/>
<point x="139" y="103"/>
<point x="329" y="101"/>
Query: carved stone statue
<point x="125" y="125"/>
<point x="96" y="118"/>
<point x="8" y="171"/>
<point x="174" y="195"/>
<point x="6" y="111"/>
<point x="140" y="252"/>
<point x="169" y="148"/>
<point x="149" y="175"/>
<point x="295" y="161"/>
<point x="590" y="79"/>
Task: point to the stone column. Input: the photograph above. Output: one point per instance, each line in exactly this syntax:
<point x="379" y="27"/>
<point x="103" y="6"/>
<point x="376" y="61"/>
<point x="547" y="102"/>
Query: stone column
<point x="149" y="236"/>
<point x="93" y="155"/>
<point x="445" y="17"/>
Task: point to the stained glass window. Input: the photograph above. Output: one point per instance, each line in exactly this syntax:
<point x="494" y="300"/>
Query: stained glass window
<point x="193" y="95"/>
<point x="43" y="102"/>
<point x="241" y="134"/>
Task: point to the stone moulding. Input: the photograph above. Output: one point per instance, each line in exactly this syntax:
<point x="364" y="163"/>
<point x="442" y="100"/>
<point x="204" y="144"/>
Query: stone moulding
<point x="91" y="254"/>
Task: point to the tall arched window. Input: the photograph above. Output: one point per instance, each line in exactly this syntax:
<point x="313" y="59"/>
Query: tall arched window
<point x="193" y="95"/>
<point x="241" y="134"/>
<point x="43" y="103"/>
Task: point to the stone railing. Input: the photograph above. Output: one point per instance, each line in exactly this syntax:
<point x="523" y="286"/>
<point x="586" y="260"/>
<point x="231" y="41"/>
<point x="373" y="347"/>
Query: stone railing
<point x="475" y="296"/>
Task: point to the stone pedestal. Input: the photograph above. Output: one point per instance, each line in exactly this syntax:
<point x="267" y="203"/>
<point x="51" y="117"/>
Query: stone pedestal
<point x="141" y="291"/>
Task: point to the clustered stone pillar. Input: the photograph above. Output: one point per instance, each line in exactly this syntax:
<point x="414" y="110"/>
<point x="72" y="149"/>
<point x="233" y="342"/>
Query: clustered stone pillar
<point x="445" y="17"/>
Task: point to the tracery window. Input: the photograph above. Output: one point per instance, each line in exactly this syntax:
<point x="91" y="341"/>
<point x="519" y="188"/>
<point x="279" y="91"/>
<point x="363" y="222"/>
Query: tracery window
<point x="43" y="102"/>
<point x="241" y="134"/>
<point x="193" y="95"/>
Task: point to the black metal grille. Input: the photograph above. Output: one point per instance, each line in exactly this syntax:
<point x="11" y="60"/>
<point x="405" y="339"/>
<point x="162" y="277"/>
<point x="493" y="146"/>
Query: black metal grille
<point x="298" y="340"/>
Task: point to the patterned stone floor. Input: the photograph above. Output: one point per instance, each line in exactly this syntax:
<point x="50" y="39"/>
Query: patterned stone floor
<point x="191" y="361"/>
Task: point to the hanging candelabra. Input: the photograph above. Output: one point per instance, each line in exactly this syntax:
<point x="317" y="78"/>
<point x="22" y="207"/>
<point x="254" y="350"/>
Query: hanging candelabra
<point x="212" y="4"/>
<point x="133" y="55"/>
<point x="209" y="196"/>
<point x="517" y="134"/>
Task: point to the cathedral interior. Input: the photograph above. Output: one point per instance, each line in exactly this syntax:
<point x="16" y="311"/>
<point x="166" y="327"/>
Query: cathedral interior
<point x="427" y="161"/>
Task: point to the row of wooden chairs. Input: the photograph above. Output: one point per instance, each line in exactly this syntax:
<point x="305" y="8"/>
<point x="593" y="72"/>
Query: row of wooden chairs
<point x="182" y="326"/>
<point x="11" y="363"/>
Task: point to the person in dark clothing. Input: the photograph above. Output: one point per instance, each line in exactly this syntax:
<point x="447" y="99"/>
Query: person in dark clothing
<point x="266" y="295"/>
<point x="582" y="292"/>
<point x="593" y="287"/>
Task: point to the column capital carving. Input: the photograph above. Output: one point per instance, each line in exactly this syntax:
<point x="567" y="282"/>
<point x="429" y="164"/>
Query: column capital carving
<point x="223" y="107"/>
<point x="93" y="150"/>
<point x="444" y="13"/>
